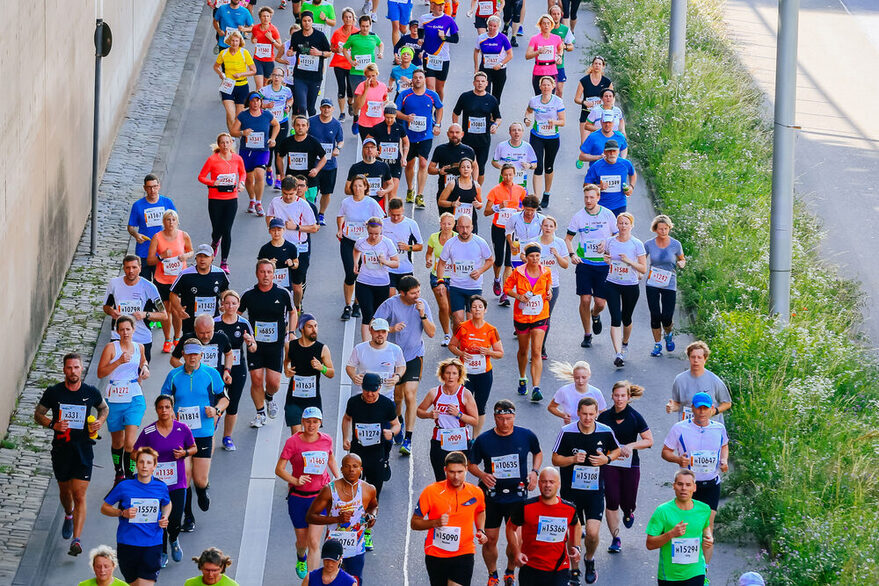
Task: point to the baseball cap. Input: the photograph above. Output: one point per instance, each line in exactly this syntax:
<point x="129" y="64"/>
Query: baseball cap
<point x="607" y="116"/>
<point x="331" y="550"/>
<point x="252" y="95"/>
<point x="702" y="400"/>
<point x="192" y="346"/>
<point x="379" y="323"/>
<point x="371" y="382"/>
<point x="390" y="109"/>
<point x="277" y="223"/>
<point x="751" y="579"/>
<point x="304" y="319"/>
<point x="437" y="1"/>
<point x="413" y="21"/>
<point x="312" y="412"/>
<point x="204" y="249"/>
<point x="368" y="141"/>
<point x="326" y="102"/>
<point x="611" y="145"/>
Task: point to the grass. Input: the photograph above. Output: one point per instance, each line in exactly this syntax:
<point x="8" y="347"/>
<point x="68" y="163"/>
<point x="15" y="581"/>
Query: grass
<point x="805" y="445"/>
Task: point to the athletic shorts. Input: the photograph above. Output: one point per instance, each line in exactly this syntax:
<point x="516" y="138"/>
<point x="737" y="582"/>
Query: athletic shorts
<point x="122" y="414"/>
<point x="266" y="355"/>
<point x="264" y="68"/>
<point x="560" y="76"/>
<point x="459" y="299"/>
<point x="239" y="94"/>
<point x="297" y="275"/>
<point x="293" y="411"/>
<point x="398" y="12"/>
<point x="496" y="513"/>
<point x="480" y="22"/>
<point x="592" y="280"/>
<point x="73" y="461"/>
<point x="205" y="447"/>
<point x="584" y="115"/>
<point x="419" y="149"/>
<point x="708" y="492"/>
<point x="694" y="581"/>
<point x="255" y="158"/>
<point x="589" y="505"/>
<point x="396" y="168"/>
<point x="297" y="507"/>
<point x="413" y="370"/>
<point x="326" y="180"/>
<point x="523" y="328"/>
<point x="139" y="562"/>
<point x="164" y="290"/>
<point x="480" y="386"/>
<point x="457" y="569"/>
<point x="433" y="281"/>
<point x="395" y="278"/>
<point x="440" y="75"/>
<point x="529" y="576"/>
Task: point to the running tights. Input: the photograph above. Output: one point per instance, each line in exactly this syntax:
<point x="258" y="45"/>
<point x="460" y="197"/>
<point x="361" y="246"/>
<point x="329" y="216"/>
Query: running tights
<point x="222" y="213"/>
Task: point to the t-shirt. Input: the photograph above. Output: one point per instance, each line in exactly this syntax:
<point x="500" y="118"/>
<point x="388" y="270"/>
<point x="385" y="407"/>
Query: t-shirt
<point x="414" y="44"/>
<point x="343" y="578"/>
<point x="583" y="479"/>
<point x="567" y="37"/>
<point x="281" y="254"/>
<point x="592" y="92"/>
<point x="368" y="420"/>
<point x="568" y="398"/>
<point x="127" y="299"/>
<point x="381" y="361"/>
<point x="388" y="139"/>
<point x="544" y="114"/>
<point x="309" y="458"/>
<point x="664" y="259"/>
<point x="545" y="532"/>
<point x="298" y="210"/>
<point x="360" y="44"/>
<point x="213" y="353"/>
<point x="377" y="174"/>
<point x="263" y="49"/>
<point x="702" y="444"/>
<point x="337" y="40"/>
<point x="199" y="293"/>
<point x="494" y="49"/>
<point x="402" y="76"/>
<point x="422" y="107"/>
<point x="462" y="506"/>
<point x="372" y="110"/>
<point x="664" y="519"/>
<point x="115" y="582"/>
<point x="322" y="13"/>
<point x="410" y="340"/>
<point x="547" y="49"/>
<point x="329" y="135"/>
<point x="407" y="232"/>
<point x="74" y="407"/>
<point x="596" y="113"/>
<point x="278" y="100"/>
<point x="450" y="154"/>
<point x="504" y="152"/>
<point x="261" y="125"/>
<point x="523" y="230"/>
<point x="373" y="272"/>
<point x="433" y="44"/>
<point x="235" y="332"/>
<point x="170" y="470"/>
<point x="686" y="385"/>
<point x="302" y="155"/>
<point x="479" y="112"/>
<point x="356" y="213"/>
<point x="149" y="498"/>
<point x="267" y="311"/>
<point x="470" y="339"/>
<point x="622" y="273"/>
<point x="462" y="258"/>
<point x="614" y="175"/>
<point x="147" y="218"/>
<point x="594" y="143"/>
<point x="231" y="18"/>
<point x="506" y="457"/>
<point x="193" y="392"/>
<point x="235" y="63"/>
<point x="308" y="67"/>
<point x="627" y="426"/>
<point x="590" y="231"/>
<point x="548" y="259"/>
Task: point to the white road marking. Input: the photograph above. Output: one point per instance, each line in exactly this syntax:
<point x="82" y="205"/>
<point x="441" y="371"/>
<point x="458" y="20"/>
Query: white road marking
<point x="345" y="386"/>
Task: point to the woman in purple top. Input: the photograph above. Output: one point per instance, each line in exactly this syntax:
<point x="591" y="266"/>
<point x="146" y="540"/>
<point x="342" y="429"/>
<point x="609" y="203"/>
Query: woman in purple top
<point x="174" y="442"/>
<point x="492" y="53"/>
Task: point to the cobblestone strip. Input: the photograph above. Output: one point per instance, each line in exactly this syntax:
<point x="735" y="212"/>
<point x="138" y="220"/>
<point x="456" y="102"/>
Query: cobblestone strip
<point x="25" y="471"/>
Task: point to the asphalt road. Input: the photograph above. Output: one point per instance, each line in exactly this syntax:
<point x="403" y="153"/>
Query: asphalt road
<point x="248" y="517"/>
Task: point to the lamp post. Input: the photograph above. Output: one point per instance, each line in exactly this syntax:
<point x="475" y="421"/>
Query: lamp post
<point x="103" y="42"/>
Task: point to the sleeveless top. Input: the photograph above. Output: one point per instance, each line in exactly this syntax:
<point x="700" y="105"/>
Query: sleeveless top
<point x="304" y="387"/>
<point x="123" y="383"/>
<point x="351" y="534"/>
<point x="178" y="247"/>
<point x="441" y="403"/>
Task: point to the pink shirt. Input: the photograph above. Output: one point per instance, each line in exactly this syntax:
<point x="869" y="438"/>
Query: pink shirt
<point x="309" y="458"/>
<point x="377" y="95"/>
<point x="544" y="63"/>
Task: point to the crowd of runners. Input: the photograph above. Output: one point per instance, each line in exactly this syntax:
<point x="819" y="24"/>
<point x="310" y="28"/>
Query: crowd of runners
<point x="281" y="148"/>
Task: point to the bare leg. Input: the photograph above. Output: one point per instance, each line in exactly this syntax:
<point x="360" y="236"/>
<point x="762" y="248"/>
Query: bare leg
<point x="536" y="360"/>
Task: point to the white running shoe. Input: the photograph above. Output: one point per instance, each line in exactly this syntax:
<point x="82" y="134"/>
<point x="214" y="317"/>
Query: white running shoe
<point x="272" y="408"/>
<point x="258" y="421"/>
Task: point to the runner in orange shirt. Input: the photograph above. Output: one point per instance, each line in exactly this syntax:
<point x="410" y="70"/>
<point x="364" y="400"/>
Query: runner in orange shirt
<point x="502" y="202"/>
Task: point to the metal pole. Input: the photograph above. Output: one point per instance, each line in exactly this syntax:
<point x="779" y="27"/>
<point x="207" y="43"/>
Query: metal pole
<point x="781" y="216"/>
<point x="99" y="37"/>
<point x="677" y="38"/>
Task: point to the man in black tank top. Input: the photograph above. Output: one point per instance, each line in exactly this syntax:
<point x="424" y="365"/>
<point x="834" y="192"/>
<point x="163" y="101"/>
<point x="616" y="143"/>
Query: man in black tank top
<point x="305" y="362"/>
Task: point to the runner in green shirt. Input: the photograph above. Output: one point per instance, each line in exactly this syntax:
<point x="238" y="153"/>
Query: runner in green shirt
<point x="213" y="564"/>
<point x="681" y="531"/>
<point x="324" y="15"/>
<point x="362" y="44"/>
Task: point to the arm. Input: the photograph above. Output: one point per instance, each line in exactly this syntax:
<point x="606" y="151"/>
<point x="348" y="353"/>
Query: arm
<point x="470" y="416"/>
<point x="443" y="201"/>
<point x="425" y="408"/>
<point x="327" y="363"/>
<point x="657" y="541"/>
<point x="669" y="455"/>
<point x="321" y="502"/>
<point x="136" y="235"/>
<point x="347" y="425"/>
<point x="553" y="408"/>
<point x="454" y="348"/>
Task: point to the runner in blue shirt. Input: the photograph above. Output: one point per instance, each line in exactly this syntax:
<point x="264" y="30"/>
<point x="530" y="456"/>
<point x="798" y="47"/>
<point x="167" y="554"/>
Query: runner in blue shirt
<point x="231" y="16"/>
<point x="422" y="111"/>
<point x="616" y="177"/>
<point x="145" y="220"/>
<point x="328" y="131"/>
<point x="592" y="148"/>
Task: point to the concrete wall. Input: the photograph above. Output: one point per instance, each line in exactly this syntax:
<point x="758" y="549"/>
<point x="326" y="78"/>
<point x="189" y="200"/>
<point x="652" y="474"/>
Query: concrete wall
<point x="45" y="154"/>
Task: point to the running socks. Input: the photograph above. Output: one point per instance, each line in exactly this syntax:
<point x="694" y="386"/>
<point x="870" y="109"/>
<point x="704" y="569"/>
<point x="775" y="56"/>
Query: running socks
<point x="117" y="459"/>
<point x="129" y="465"/>
<point x="409" y="435"/>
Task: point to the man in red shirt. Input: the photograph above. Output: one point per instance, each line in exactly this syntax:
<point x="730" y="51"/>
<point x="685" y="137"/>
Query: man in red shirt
<point x="547" y="532"/>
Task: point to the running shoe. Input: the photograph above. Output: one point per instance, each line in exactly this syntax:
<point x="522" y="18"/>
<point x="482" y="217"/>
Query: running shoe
<point x="224" y="266"/>
<point x="399" y="436"/>
<point x="707" y="581"/>
<point x="269" y="177"/>
<point x="163" y="560"/>
<point x="523" y="387"/>
<point x="446" y="339"/>
<point x="175" y="342"/>
<point x="350" y="108"/>
<point x="366" y="8"/>
<point x="536" y="395"/>
<point x="120" y="476"/>
<point x="216" y="247"/>
<point x="669" y="342"/>
<point x="283" y="5"/>
<point x="657" y="350"/>
<point x="301" y="569"/>
<point x="373" y="16"/>
<point x="629" y="520"/>
<point x="616" y="546"/>
<point x="167" y="347"/>
<point x="504" y="301"/>
<point x="590" y="575"/>
<point x="259" y="212"/>
<point x="75" y="548"/>
<point x="217" y="49"/>
<point x="410" y="196"/>
<point x="321" y="221"/>
<point x="258" y="421"/>
<point x="579" y="164"/>
<point x="544" y="355"/>
<point x="493" y="580"/>
<point x="355" y="310"/>
<point x="277" y="184"/>
<point x="618" y="361"/>
<point x="406" y="448"/>
<point x="228" y="444"/>
<point x="188" y="525"/>
<point x="625" y="351"/>
<point x="544" y="201"/>
<point x="509" y="579"/>
<point x="574" y="580"/>
<point x="496" y="289"/>
<point x="367" y="540"/>
<point x="355" y="128"/>
<point x="342" y="116"/>
<point x="520" y="32"/>
<point x="596" y="324"/>
<point x="419" y="201"/>
<point x="587" y="341"/>
<point x="204" y="499"/>
<point x="346" y="313"/>
<point x="272" y="409"/>
<point x="176" y="551"/>
<point x="514" y="41"/>
<point x="251" y="207"/>
<point x="67" y="527"/>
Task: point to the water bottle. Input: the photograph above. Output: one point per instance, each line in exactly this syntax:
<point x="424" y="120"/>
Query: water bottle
<point x="91" y="419"/>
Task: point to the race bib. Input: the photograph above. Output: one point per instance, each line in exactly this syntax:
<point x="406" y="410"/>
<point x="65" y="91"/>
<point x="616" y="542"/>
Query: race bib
<point x="491" y="59"/>
<point x="477" y="125"/>
<point x="119" y="392"/>
<point x="308" y="62"/>
<point x="418" y="124"/>
<point x="622" y="461"/>
<point x="227" y="85"/>
<point x="463" y="268"/>
<point x="315" y="462"/>
<point x="266" y="331"/>
<point x="304" y="387"/>
<point x="620" y="270"/>
<point x="278" y="112"/>
<point x="210" y="354"/>
<point x="403" y="83"/>
<point x="147" y="511"/>
<point x="533" y="306"/>
<point x="545" y="53"/>
<point x="361" y="61"/>
<point x="585" y="478"/>
<point x="375" y="184"/>
<point x="454" y="438"/>
<point x="172" y="266"/>
<point x="434" y="62"/>
<point x="368" y="434"/>
<point x="464" y="210"/>
<point x="191" y="416"/>
<point x="704" y="461"/>
<point x="129" y="307"/>
<point x="485" y="8"/>
<point x="475" y="363"/>
<point x="74" y="415"/>
<point x="593" y="247"/>
<point x="685" y="550"/>
<point x="370" y="261"/>
<point x="551" y="529"/>
<point x="297" y="161"/>
<point x="206" y="305"/>
<point x="504" y="216"/>
<point x="355" y="230"/>
<point x="328" y="148"/>
<point x="263" y="51"/>
<point x="614" y="183"/>
<point x="302" y="247"/>
<point x="686" y="412"/>
<point x="374" y="108"/>
<point x="658" y="277"/>
<point x="153" y="217"/>
<point x="548" y="262"/>
<point x="256" y="140"/>
<point x="282" y="277"/>
<point x="226" y="179"/>
<point x="236" y="357"/>
<point x="389" y="151"/>
<point x="166" y="472"/>
<point x="546" y="128"/>
<point x="447" y="538"/>
<point x="290" y="72"/>
<point x="519" y="178"/>
<point x="507" y="466"/>
<point x="348" y="540"/>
